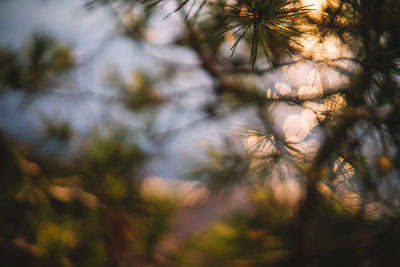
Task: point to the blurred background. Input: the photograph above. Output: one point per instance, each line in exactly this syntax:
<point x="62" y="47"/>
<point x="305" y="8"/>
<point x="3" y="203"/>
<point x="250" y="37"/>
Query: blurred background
<point x="199" y="133"/>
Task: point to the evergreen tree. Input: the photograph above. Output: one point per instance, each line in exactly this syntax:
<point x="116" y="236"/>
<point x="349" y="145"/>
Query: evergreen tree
<point x="320" y="159"/>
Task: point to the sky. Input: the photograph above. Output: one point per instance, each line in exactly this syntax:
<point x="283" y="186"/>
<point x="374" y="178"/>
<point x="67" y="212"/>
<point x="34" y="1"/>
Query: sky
<point x="85" y="32"/>
<point x="65" y="19"/>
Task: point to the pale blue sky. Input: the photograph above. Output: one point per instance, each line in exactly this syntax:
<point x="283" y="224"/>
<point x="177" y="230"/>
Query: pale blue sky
<point x="84" y="31"/>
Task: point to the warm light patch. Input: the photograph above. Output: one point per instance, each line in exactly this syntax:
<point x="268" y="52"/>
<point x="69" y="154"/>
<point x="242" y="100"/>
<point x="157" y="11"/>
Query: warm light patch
<point x="314" y="82"/>
<point x="258" y="145"/>
<point x="285" y="190"/>
<point x="316" y="6"/>
<point x="186" y="193"/>
<point x="283" y="88"/>
<point x="295" y="128"/>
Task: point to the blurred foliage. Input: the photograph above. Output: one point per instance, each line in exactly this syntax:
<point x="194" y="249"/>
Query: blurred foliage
<point x="327" y="194"/>
<point x="137" y="93"/>
<point x="224" y="169"/>
<point x="36" y="67"/>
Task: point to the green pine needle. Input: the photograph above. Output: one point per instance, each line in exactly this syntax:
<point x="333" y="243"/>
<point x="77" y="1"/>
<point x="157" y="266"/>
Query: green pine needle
<point x="272" y="26"/>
